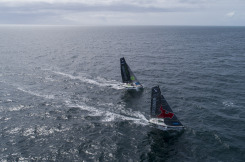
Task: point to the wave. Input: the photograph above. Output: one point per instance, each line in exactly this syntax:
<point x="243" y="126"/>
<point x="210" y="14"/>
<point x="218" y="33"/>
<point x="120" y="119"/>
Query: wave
<point x="101" y="82"/>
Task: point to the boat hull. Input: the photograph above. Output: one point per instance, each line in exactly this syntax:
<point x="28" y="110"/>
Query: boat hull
<point x="159" y="124"/>
<point x="133" y="87"/>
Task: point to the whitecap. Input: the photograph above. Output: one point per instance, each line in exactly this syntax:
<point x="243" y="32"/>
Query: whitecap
<point x="14" y="130"/>
<point x="228" y="104"/>
<point x="9" y="100"/>
<point x="44" y="130"/>
<point x="28" y="131"/>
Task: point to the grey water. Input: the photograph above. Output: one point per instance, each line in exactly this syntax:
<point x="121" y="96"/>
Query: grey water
<point x="61" y="97"/>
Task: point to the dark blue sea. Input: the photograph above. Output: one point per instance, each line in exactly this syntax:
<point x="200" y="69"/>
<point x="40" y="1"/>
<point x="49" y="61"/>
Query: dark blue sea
<point x="61" y="97"/>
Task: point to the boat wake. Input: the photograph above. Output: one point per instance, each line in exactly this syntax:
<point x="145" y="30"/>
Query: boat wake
<point x="109" y="116"/>
<point x="108" y="112"/>
<point x="101" y="82"/>
<point x="13" y="108"/>
<point x="36" y="94"/>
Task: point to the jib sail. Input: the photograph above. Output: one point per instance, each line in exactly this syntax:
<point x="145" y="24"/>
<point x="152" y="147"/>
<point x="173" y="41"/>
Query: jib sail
<point x="161" y="109"/>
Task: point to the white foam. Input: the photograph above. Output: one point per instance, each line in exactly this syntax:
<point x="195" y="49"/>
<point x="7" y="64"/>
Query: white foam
<point x="37" y="94"/>
<point x="42" y="130"/>
<point x="5" y="119"/>
<point x="109" y="116"/>
<point x="14" y="108"/>
<point x="9" y="100"/>
<point x="136" y="117"/>
<point x="128" y="112"/>
<point x="228" y="104"/>
<point x="14" y="130"/>
<point x="99" y="81"/>
<point x="28" y="131"/>
<point x="17" y="108"/>
<point x="50" y="79"/>
<point x="220" y="141"/>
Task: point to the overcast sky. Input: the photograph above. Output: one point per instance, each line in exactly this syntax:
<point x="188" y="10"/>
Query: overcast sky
<point x="123" y="12"/>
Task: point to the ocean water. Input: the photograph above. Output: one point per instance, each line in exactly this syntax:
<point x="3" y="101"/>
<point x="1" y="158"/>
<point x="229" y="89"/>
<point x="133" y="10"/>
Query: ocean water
<point x="61" y="97"/>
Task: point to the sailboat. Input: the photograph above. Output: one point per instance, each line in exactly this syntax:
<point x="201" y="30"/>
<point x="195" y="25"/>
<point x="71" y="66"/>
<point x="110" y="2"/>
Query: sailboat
<point x="128" y="78"/>
<point x="162" y="116"/>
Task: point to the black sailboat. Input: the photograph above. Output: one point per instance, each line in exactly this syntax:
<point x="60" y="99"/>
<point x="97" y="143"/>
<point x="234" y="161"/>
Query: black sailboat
<point x="162" y="115"/>
<point x="128" y="77"/>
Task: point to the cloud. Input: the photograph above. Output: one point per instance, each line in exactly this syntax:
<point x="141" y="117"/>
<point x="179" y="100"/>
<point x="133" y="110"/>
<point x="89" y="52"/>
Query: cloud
<point x="126" y="12"/>
<point x="230" y="14"/>
<point x="94" y="6"/>
<point x="42" y="11"/>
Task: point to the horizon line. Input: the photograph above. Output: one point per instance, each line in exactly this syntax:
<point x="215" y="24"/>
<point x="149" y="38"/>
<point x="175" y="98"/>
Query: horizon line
<point x="118" y="25"/>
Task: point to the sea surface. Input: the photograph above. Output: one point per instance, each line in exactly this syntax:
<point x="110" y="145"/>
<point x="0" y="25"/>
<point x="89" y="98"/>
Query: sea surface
<point x="61" y="97"/>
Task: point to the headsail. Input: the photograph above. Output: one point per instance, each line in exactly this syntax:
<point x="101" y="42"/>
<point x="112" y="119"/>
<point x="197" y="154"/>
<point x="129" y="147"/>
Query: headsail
<point x="161" y="111"/>
<point x="127" y="74"/>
